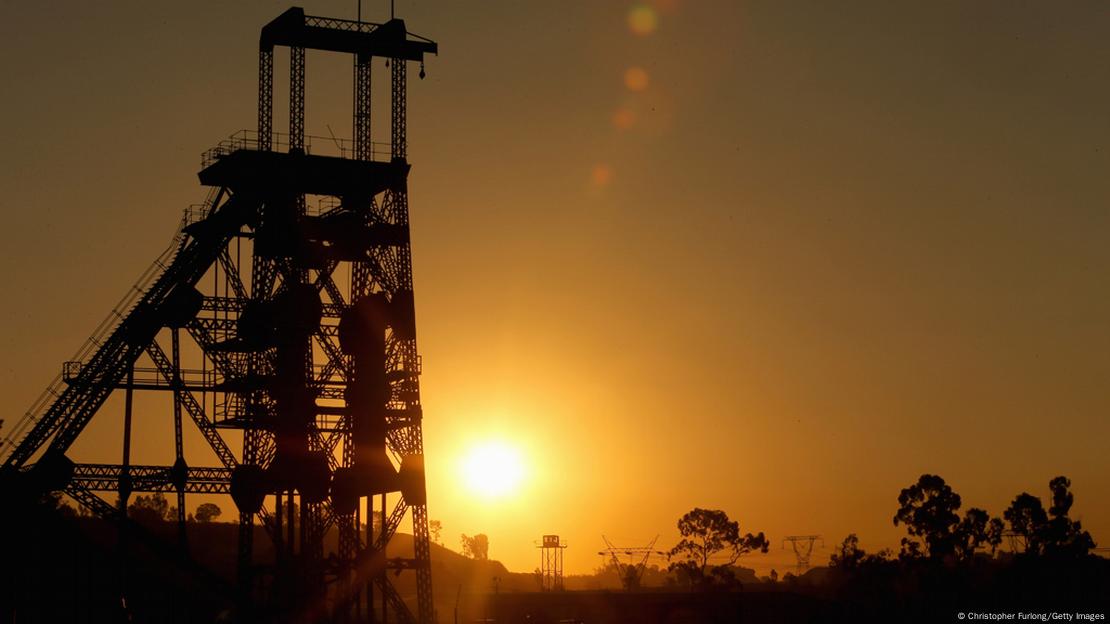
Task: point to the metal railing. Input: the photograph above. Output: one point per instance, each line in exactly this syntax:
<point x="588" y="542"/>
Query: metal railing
<point x="317" y="145"/>
<point x="152" y="377"/>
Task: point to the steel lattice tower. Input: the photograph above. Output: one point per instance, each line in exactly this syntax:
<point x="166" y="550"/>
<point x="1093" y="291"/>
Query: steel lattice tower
<point x="551" y="563"/>
<point x="291" y="291"/>
<point x="803" y="548"/>
<point x="638" y="556"/>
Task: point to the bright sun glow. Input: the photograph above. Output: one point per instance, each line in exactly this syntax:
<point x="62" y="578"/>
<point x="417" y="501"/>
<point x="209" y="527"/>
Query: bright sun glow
<point x="493" y="469"/>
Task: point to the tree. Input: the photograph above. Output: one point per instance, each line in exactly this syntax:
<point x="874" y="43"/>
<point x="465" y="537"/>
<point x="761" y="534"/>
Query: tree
<point x="976" y="529"/>
<point x="149" y="509"/>
<point x="476" y="547"/>
<point x="928" y="509"/>
<point x="1064" y="536"/>
<point x="375" y="521"/>
<point x="282" y="519"/>
<point x="435" y="527"/>
<point x="1027" y="518"/>
<point x="54" y="501"/>
<point x="706" y="534"/>
<point x="849" y="556"/>
<point x="1053" y="533"/>
<point x="207" y="512"/>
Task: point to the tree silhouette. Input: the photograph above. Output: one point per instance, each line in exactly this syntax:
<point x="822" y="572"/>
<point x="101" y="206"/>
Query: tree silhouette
<point x="435" y="527"/>
<point x="848" y="555"/>
<point x="708" y="533"/>
<point x="929" y="508"/>
<point x="476" y="547"/>
<point x="208" y="512"/>
<point x="975" y="530"/>
<point x="1053" y="533"/>
<point x="150" y="509"/>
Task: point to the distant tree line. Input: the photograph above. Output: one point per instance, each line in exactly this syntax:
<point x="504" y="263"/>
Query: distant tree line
<point x="929" y="509"/>
<point x="949" y="562"/>
<point x="145" y="509"/>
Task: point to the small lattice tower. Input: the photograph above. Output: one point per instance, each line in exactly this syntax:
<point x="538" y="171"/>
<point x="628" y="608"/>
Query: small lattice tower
<point x="551" y="563"/>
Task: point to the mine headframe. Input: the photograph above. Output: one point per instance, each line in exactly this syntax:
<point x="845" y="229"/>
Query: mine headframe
<point x="291" y="291"/>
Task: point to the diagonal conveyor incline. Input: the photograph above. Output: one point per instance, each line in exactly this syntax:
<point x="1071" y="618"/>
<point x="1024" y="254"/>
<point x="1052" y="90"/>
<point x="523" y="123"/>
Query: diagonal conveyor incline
<point x="168" y="301"/>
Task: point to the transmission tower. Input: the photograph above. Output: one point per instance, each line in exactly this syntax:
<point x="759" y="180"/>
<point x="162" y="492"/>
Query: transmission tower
<point x="803" y="549"/>
<point x="632" y="572"/>
<point x="280" y="320"/>
<point x="1015" y="540"/>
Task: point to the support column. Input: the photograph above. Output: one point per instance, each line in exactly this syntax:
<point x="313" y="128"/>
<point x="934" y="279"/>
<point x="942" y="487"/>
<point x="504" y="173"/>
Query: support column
<point x="265" y="99"/>
<point x="125" y="482"/>
<point x="180" y="470"/>
<point x="296" y="99"/>
<point x="398" y="147"/>
<point x="363" y="143"/>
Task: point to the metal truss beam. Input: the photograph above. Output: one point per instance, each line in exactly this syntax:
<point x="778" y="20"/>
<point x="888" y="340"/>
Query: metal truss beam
<point x="109" y="477"/>
<point x="196" y="412"/>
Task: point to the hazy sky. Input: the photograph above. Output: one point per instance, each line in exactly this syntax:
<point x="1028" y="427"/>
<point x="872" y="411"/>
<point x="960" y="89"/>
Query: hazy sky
<point x="802" y="253"/>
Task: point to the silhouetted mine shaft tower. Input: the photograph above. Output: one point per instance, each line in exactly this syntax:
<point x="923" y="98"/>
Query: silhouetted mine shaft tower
<point x="282" y="316"/>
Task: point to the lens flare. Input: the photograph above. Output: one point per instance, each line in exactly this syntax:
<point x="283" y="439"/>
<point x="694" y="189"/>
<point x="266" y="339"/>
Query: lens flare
<point x="636" y="79"/>
<point x="642" y="20"/>
<point x="624" y="119"/>
<point x="601" y="175"/>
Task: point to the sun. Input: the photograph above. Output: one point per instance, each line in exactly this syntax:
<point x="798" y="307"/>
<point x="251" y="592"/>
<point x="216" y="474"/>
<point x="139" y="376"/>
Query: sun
<point x="493" y="469"/>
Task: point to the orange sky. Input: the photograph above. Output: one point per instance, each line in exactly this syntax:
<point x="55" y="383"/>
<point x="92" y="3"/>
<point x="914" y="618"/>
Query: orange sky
<point x="778" y="258"/>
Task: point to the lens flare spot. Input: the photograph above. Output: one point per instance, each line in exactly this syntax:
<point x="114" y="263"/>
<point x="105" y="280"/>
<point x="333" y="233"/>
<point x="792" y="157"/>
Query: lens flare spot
<point x="624" y="119"/>
<point x="636" y="79"/>
<point x="642" y="20"/>
<point x="601" y="175"/>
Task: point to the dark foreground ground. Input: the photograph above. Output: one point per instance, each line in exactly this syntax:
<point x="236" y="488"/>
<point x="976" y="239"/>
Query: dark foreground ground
<point x="66" y="570"/>
<point x="662" y="607"/>
<point x="771" y="606"/>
